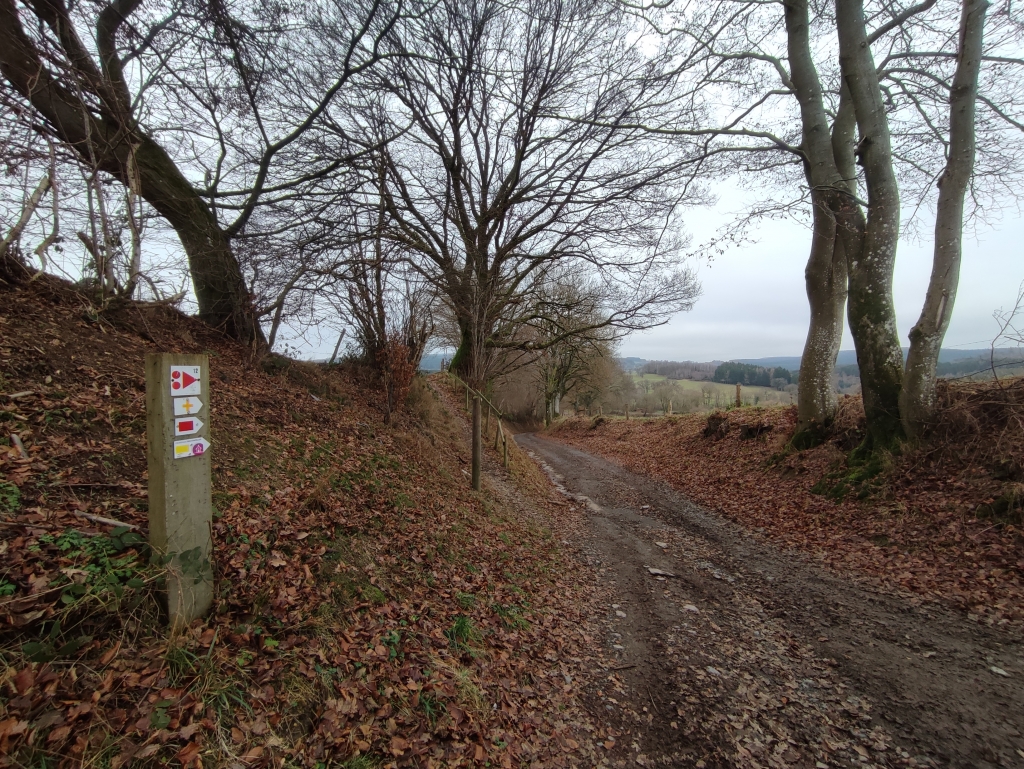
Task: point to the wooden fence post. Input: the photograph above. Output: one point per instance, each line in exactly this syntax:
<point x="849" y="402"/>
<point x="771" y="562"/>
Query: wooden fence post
<point x="478" y="453"/>
<point x="180" y="503"/>
<point x="739" y="402"/>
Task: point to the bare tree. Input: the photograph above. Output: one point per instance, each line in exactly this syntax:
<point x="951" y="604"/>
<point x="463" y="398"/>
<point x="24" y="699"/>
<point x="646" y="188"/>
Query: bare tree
<point x="1010" y="329"/>
<point x="391" y="313"/>
<point x="103" y="80"/>
<point x="871" y="311"/>
<point x="792" y="103"/>
<point x="567" y="337"/>
<point x="831" y="179"/>
<point x="499" y="168"/>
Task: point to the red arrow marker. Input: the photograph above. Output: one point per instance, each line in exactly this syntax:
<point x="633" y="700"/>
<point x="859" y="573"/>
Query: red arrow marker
<point x="181" y="379"/>
<point x="185" y="380"/>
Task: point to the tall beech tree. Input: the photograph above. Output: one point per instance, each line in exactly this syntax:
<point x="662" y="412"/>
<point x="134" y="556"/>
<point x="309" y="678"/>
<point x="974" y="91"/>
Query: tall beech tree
<point x="917" y="397"/>
<point x="791" y="85"/>
<point x="871" y="312"/>
<point x="828" y="160"/>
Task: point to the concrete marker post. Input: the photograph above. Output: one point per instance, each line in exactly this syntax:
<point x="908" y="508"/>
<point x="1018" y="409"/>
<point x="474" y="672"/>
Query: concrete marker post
<point x="180" y="502"/>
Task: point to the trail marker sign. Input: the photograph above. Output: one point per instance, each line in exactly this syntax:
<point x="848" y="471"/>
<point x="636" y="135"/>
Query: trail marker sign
<point x="185" y="380"/>
<point x="194" y="447"/>
<point x="186" y="406"/>
<point x="180" y="504"/>
<point x="187" y="426"/>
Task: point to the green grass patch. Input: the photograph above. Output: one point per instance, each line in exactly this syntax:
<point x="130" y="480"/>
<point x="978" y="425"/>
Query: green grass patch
<point x="462" y="634"/>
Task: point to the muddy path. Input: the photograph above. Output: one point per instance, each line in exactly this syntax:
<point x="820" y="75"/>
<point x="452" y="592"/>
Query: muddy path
<point x="741" y="654"/>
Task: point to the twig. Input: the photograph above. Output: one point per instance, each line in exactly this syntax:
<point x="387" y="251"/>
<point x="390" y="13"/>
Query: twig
<point x="22" y="394"/>
<point x="16" y="440"/>
<point x="653" y="706"/>
<point x="106" y="521"/>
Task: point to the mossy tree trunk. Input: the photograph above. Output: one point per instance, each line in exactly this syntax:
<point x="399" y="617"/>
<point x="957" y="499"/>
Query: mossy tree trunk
<point x="825" y="274"/>
<point x="871" y="312"/>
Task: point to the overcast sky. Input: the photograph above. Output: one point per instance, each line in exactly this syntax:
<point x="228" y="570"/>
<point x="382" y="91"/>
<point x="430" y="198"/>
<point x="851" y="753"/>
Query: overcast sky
<point x="754" y="305"/>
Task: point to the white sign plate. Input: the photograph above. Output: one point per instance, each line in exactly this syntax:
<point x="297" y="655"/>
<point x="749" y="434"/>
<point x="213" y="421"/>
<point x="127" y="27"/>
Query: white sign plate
<point x="184" y="407"/>
<point x="185" y="380"/>
<point x="193" y="447"/>
<point x="187" y="425"/>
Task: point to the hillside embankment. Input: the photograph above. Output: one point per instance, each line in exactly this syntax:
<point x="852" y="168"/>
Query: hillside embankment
<point x="940" y="522"/>
<point x="370" y="610"/>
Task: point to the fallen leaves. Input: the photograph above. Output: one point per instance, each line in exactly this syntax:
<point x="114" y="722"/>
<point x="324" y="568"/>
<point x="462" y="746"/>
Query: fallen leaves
<point x="346" y="554"/>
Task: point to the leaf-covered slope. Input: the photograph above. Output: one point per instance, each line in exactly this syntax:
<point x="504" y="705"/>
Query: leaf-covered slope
<point x="370" y="608"/>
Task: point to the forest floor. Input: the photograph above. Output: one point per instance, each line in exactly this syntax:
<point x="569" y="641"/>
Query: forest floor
<point x="735" y="650"/>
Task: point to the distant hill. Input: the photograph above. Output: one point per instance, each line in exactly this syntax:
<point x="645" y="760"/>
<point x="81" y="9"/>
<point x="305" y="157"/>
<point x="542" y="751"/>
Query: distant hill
<point x="849" y="357"/>
<point x="431" y="361"/>
<point x="631" y="364"/>
<point x="791" y="362"/>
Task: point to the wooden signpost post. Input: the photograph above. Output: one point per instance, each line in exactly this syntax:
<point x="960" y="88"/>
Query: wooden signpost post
<point x="180" y="504"/>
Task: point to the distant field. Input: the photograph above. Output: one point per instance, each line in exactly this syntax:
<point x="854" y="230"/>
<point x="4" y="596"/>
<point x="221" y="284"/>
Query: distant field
<point x="749" y="393"/>
<point x="761" y="392"/>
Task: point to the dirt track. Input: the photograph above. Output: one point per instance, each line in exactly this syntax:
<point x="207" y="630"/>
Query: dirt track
<point x="746" y="655"/>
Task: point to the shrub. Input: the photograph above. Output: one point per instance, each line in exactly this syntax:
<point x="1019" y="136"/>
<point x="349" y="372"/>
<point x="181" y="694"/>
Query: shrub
<point x="396" y="374"/>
